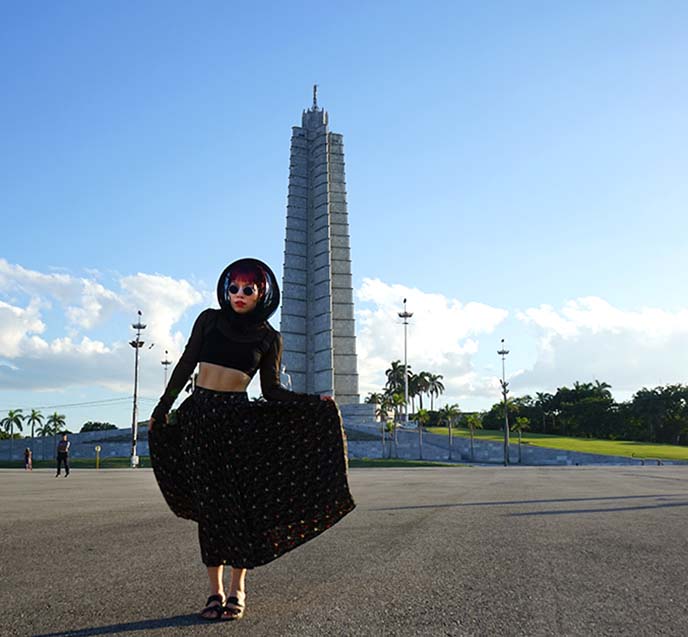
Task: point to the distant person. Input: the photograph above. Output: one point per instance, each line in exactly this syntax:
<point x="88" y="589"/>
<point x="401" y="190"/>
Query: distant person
<point x="285" y="378"/>
<point x="63" y="455"/>
<point x="260" y="478"/>
<point x="28" y="460"/>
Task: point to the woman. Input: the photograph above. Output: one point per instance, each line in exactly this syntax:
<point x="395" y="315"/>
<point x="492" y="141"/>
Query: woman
<point x="259" y="478"/>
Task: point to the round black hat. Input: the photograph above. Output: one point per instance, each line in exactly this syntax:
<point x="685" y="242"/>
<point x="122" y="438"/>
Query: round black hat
<point x="261" y="273"/>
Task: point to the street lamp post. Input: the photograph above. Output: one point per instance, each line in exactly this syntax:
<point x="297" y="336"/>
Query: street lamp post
<point x="166" y="363"/>
<point x="137" y="343"/>
<point x="503" y="352"/>
<point x="406" y="316"/>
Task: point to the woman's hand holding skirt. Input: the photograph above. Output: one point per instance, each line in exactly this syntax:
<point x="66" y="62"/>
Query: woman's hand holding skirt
<point x="259" y="478"/>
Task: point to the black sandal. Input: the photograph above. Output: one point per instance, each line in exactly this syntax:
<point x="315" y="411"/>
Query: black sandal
<point x="235" y="611"/>
<point x="217" y="610"/>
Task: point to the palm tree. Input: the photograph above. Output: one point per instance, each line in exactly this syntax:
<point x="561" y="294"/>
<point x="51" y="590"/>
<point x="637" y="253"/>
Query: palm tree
<point x="13" y="419"/>
<point x="56" y="422"/>
<point x="602" y="389"/>
<point x="395" y="377"/>
<point x="382" y="412"/>
<point x="33" y="419"/>
<point x="449" y="414"/>
<point x="43" y="432"/>
<point x="422" y="418"/>
<point x="647" y="403"/>
<point x="396" y="402"/>
<point x="413" y="390"/>
<point x="474" y="421"/>
<point x="544" y="402"/>
<point x="522" y="424"/>
<point x="582" y="390"/>
<point x="374" y="398"/>
<point x="421" y="385"/>
<point x="418" y="385"/>
<point x="435" y="387"/>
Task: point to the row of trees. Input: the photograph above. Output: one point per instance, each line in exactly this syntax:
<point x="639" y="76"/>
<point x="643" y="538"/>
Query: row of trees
<point x="587" y="409"/>
<point x="16" y="418"/>
<point x="54" y="425"/>
<point x="419" y="385"/>
<point x="97" y="426"/>
<point x="392" y="398"/>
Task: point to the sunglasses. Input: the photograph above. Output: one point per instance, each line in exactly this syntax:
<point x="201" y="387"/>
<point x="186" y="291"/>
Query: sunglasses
<point x="248" y="290"/>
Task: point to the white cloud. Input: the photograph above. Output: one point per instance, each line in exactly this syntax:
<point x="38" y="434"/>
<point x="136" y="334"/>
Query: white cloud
<point x="589" y="339"/>
<point x="15" y="278"/>
<point x="85" y="301"/>
<point x="163" y="301"/>
<point x="62" y="363"/>
<point x="59" y="331"/>
<point x="15" y="324"/>
<point x="30" y="360"/>
<point x="442" y="337"/>
<point x="96" y="304"/>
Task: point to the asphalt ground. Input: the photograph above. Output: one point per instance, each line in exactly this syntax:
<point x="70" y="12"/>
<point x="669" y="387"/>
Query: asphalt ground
<point x="428" y="551"/>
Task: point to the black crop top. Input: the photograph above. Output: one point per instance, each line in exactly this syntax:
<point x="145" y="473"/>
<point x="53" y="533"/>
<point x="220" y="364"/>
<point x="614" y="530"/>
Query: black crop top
<point x="219" y="349"/>
<point x="214" y="339"/>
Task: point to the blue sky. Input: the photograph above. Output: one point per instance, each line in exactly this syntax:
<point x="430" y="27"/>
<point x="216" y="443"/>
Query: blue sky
<point x="517" y="167"/>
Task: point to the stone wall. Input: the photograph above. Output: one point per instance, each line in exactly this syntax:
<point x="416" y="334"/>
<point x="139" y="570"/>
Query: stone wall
<point x="113" y="443"/>
<point x="365" y="441"/>
<point x="436" y="447"/>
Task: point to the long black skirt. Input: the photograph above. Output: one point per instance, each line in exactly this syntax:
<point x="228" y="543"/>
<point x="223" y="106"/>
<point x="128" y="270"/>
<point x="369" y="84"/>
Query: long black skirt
<point x="259" y="478"/>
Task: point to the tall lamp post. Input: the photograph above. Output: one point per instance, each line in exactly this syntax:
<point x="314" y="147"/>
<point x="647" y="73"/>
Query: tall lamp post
<point x="503" y="352"/>
<point x="406" y="316"/>
<point x="166" y="363"/>
<point x="137" y="343"/>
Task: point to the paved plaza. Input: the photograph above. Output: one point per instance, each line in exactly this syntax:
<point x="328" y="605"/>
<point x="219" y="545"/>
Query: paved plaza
<point x="428" y="551"/>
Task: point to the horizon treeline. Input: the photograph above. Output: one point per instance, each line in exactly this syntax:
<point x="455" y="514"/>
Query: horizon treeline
<point x="586" y="410"/>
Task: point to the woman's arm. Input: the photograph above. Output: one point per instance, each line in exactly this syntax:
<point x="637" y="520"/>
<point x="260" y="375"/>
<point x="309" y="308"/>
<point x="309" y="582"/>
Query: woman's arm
<point x="183" y="369"/>
<point x="270" y="384"/>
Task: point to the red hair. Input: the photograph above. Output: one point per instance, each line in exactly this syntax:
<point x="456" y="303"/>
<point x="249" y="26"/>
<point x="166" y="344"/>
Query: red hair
<point x="250" y="273"/>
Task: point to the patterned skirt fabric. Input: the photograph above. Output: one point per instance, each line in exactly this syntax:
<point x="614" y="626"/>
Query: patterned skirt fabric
<point x="259" y="478"/>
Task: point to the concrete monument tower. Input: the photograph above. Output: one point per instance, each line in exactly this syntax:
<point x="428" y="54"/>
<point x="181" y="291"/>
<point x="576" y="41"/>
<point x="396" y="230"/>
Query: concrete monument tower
<point x="317" y="321"/>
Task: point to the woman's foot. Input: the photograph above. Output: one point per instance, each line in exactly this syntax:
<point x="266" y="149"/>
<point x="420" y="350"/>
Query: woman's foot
<point x="214" y="608"/>
<point x="235" y="606"/>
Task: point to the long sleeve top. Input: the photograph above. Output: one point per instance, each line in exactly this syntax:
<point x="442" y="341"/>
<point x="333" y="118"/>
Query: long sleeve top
<point x="248" y="348"/>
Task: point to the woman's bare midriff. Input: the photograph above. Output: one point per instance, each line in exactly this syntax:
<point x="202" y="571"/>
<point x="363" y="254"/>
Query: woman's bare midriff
<point x="220" y="378"/>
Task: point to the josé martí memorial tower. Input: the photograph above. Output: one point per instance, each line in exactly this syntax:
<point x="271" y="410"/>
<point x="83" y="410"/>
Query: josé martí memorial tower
<point x="317" y="321"/>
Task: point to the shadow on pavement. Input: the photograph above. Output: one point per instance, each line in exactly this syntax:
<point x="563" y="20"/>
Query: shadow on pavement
<point x="649" y="475"/>
<point x="569" y="511"/>
<point x="513" y="502"/>
<point x="146" y="624"/>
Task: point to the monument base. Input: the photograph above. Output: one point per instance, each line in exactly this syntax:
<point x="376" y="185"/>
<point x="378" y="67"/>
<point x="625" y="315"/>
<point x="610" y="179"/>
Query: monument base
<point x="358" y="414"/>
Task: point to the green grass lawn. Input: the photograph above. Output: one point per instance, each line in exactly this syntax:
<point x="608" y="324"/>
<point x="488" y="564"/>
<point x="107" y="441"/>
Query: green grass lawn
<point x="583" y="445"/>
